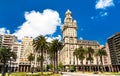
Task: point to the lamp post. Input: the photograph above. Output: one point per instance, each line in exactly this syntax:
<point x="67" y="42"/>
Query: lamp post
<point x="32" y="68"/>
<point x="10" y="66"/>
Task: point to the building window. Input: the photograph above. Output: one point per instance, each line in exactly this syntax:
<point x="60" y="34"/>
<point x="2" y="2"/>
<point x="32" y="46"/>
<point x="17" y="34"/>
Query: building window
<point x="86" y="62"/>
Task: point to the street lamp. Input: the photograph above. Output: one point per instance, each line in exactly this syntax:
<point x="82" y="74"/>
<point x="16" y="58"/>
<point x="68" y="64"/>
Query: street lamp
<point x="32" y="68"/>
<point x="10" y="66"/>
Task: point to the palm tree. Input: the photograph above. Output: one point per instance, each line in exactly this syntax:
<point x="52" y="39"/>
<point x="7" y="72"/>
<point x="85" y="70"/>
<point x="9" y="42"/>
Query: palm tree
<point x="51" y="55"/>
<point x="39" y="58"/>
<point x="76" y="54"/>
<point x="101" y="53"/>
<point x="90" y="53"/>
<point x="40" y="45"/>
<point x="5" y="55"/>
<point x="31" y="57"/>
<point x="56" y="45"/>
<point x="61" y="66"/>
<point x="97" y="56"/>
<point x="82" y="53"/>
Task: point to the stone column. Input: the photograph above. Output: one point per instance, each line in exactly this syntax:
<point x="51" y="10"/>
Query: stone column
<point x="67" y="68"/>
<point x="109" y="69"/>
<point x="14" y="68"/>
<point x="95" y="68"/>
<point x="117" y="68"/>
<point x="20" y="68"/>
<point x="27" y="69"/>
<point x="104" y="68"/>
<point x="77" y="68"/>
<point x="24" y="68"/>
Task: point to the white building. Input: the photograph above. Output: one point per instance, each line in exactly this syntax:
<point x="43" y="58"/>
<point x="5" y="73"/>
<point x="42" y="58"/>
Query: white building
<point x="26" y="49"/>
<point x="10" y="41"/>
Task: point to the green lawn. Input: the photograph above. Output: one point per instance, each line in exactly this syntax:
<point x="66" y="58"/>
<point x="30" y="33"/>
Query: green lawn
<point x="112" y="73"/>
<point x="30" y="74"/>
<point x="51" y="74"/>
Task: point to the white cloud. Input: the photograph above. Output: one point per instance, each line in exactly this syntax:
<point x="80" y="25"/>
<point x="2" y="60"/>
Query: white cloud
<point x="81" y="29"/>
<point x="49" y="39"/>
<point x="103" y="4"/>
<point x="103" y="14"/>
<point x="4" y="31"/>
<point x="92" y="17"/>
<point x="81" y="38"/>
<point x="39" y="23"/>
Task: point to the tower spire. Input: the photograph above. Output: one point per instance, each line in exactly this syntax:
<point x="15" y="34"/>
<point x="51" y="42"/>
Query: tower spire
<point x="68" y="12"/>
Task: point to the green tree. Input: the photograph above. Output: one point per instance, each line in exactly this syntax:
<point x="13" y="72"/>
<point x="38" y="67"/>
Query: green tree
<point x="31" y="57"/>
<point x="49" y="67"/>
<point x="56" y="45"/>
<point x="40" y="45"/>
<point x="97" y="57"/>
<point x="39" y="58"/>
<point x="51" y="55"/>
<point x="76" y="54"/>
<point x="72" y="68"/>
<point x="61" y="66"/>
<point x="101" y="53"/>
<point x="90" y="53"/>
<point x="82" y="53"/>
<point x="5" y="55"/>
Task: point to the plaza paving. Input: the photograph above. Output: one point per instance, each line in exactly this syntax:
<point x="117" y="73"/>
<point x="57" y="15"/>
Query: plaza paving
<point x="84" y="74"/>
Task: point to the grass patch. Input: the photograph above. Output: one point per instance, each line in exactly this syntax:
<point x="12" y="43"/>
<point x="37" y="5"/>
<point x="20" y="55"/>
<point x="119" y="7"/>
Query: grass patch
<point x="32" y="74"/>
<point x="55" y="75"/>
<point x="111" y="73"/>
<point x="18" y="74"/>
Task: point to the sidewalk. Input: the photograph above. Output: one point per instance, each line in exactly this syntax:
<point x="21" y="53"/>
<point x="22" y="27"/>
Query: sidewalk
<point x="83" y="74"/>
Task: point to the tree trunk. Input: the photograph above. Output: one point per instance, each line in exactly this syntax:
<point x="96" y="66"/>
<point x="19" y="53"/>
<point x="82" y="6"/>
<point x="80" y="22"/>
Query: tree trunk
<point x="97" y="65"/>
<point x="101" y="63"/>
<point x="30" y="66"/>
<point x="74" y="60"/>
<point x="90" y="65"/>
<point x="77" y="62"/>
<point x="56" y="61"/>
<point x="35" y="59"/>
<point x="3" y="69"/>
<point x="42" y="62"/>
<point x="83" y="67"/>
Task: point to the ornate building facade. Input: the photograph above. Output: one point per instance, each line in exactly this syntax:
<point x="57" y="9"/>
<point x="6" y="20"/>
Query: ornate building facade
<point x="70" y="42"/>
<point x="26" y="49"/>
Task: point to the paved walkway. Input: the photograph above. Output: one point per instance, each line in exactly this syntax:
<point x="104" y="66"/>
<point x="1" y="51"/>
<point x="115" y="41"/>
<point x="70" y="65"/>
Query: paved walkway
<point x="83" y="74"/>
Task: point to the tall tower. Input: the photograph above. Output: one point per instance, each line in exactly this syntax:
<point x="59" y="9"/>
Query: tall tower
<point x="69" y="39"/>
<point x="69" y="28"/>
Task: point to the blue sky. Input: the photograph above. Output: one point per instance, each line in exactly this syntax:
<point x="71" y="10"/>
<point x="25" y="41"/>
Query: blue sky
<point x="96" y="19"/>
